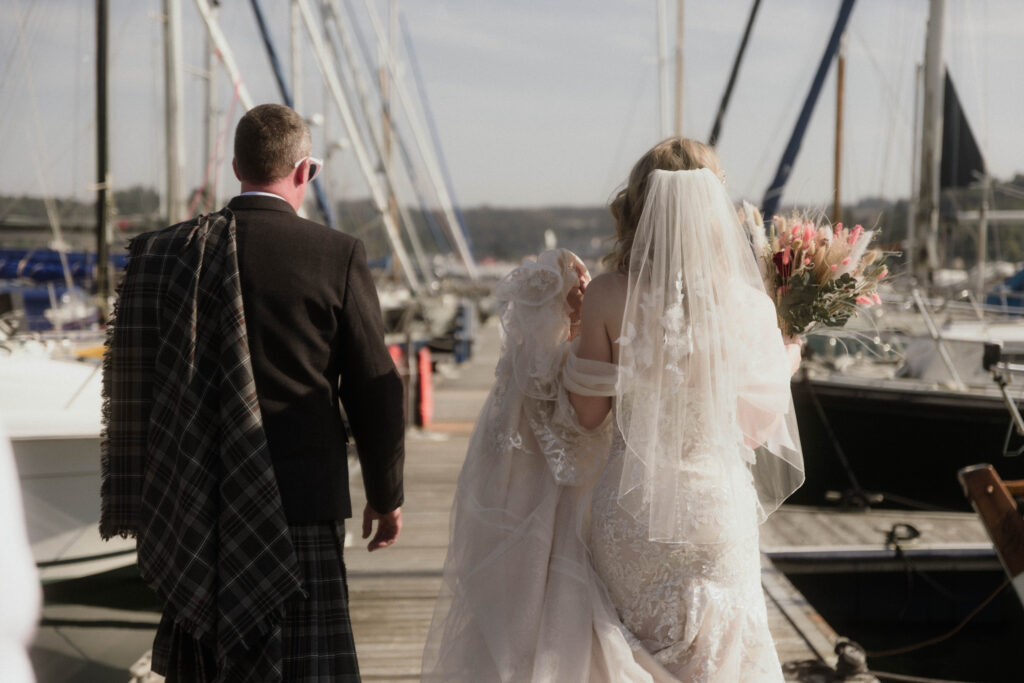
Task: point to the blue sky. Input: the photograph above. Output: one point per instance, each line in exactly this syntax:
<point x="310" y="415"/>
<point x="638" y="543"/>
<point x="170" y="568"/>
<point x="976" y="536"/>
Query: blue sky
<point x="536" y="103"/>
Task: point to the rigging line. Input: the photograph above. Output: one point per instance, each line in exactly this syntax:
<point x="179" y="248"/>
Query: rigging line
<point x="9" y="57"/>
<point x="39" y="160"/>
<point x="357" y="69"/>
<point x="397" y="136"/>
<point x="773" y="194"/>
<point x="723" y="105"/>
<point x="782" y="115"/>
<point x="213" y="162"/>
<point x="443" y="243"/>
<point x="613" y="179"/>
<point x="225" y="132"/>
<point x="830" y="433"/>
<point x="275" y="63"/>
<point x="364" y="49"/>
<point x="894" y="94"/>
<point x="389" y="170"/>
<point x="970" y="56"/>
<point x="432" y="127"/>
<point x="76" y="105"/>
<point x="428" y="152"/>
<point x="945" y="636"/>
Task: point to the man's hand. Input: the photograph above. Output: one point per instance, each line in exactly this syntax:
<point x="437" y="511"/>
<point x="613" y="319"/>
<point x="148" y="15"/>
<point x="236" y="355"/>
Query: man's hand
<point x="388" y="527"/>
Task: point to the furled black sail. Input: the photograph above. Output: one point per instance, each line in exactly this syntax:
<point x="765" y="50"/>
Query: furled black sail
<point x="962" y="163"/>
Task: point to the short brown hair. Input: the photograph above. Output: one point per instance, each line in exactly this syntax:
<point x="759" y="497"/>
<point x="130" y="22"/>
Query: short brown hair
<point x="673" y="154"/>
<point x="269" y="139"/>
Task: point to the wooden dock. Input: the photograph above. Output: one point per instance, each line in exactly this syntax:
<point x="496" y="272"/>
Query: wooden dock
<point x="393" y="591"/>
<point x="801" y="539"/>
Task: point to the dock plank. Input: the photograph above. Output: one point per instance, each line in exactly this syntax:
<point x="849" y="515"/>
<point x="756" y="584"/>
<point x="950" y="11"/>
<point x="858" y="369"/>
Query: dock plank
<point x="393" y="591"/>
<point x="817" y="540"/>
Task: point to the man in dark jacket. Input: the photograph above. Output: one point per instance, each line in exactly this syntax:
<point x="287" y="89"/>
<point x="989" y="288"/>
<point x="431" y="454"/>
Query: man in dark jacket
<point x="236" y="339"/>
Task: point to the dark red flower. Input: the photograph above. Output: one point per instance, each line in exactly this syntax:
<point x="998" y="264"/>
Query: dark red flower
<point x="784" y="264"/>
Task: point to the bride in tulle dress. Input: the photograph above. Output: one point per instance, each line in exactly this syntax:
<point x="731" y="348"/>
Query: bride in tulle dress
<point x="605" y="522"/>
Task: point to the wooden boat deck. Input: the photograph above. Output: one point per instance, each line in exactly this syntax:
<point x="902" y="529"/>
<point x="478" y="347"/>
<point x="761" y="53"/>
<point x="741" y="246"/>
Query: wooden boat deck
<point x="393" y="591"/>
<point x="807" y="539"/>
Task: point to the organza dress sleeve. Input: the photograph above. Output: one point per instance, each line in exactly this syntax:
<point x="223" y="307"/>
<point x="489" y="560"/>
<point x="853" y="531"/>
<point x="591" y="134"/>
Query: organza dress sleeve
<point x="544" y="366"/>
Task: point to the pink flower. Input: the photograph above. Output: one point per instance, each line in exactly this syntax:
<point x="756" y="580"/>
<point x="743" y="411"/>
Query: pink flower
<point x="885" y="271"/>
<point x="846" y="261"/>
<point x="864" y="301"/>
<point x="808" y="232"/>
<point x="857" y="230"/>
<point x="834" y="266"/>
<point x="807" y="261"/>
<point x="877" y="299"/>
<point x="782" y="263"/>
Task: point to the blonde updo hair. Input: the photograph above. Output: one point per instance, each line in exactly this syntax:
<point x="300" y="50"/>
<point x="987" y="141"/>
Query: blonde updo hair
<point x="673" y="154"/>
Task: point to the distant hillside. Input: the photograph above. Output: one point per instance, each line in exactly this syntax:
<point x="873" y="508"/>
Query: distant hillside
<point x="509" y="233"/>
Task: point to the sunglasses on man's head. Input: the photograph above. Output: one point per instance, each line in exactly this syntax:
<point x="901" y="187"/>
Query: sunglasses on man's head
<point x="314" y="166"/>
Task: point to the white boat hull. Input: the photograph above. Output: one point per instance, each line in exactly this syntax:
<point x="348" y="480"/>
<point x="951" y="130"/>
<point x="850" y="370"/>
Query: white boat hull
<point x="51" y="412"/>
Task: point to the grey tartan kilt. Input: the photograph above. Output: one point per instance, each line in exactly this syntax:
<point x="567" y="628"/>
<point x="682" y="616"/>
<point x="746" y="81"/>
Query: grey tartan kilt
<point x="313" y="643"/>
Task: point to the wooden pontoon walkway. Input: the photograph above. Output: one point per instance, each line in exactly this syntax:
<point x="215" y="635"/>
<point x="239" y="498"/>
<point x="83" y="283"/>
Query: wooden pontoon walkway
<point x="393" y="591"/>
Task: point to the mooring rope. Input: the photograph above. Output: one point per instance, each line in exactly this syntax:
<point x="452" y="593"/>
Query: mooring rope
<point x="938" y="639"/>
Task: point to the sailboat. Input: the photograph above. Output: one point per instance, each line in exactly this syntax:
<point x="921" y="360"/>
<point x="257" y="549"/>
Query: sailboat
<point x="898" y="436"/>
<point x="52" y="417"/>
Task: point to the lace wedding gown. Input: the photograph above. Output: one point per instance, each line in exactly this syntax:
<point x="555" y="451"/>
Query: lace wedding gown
<point x="548" y="577"/>
<point x="699" y="610"/>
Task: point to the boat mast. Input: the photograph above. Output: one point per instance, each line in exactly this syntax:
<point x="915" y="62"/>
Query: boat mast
<point x="102" y="171"/>
<point x="227" y="57"/>
<point x="296" y="45"/>
<point x="914" y="169"/>
<point x="662" y="72"/>
<point x="679" y="69"/>
<point x="210" y="121"/>
<point x="173" y="120"/>
<point x="982" y="237"/>
<point x="837" y="206"/>
<point x="386" y="54"/>
<point x="931" y="141"/>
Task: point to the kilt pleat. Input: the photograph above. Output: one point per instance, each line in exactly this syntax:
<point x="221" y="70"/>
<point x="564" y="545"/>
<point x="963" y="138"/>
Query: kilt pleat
<point x="312" y="644"/>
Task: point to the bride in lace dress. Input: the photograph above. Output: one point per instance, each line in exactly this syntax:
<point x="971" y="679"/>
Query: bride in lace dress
<point x="605" y="522"/>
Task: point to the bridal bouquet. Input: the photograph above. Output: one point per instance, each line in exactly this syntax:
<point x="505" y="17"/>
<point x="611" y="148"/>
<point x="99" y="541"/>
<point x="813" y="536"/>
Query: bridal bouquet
<point x="816" y="275"/>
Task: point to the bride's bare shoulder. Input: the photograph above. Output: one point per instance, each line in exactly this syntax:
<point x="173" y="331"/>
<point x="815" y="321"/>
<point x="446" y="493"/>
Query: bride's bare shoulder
<point x="606" y="294"/>
<point x="609" y="284"/>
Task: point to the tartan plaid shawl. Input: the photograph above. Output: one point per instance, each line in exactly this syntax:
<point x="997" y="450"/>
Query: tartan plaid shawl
<point x="186" y="466"/>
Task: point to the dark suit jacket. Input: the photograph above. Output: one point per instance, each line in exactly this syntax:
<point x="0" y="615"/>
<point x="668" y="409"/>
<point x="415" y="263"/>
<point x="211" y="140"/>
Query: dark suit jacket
<point x="316" y="336"/>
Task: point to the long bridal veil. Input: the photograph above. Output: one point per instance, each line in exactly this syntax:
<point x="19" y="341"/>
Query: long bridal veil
<point x="703" y="377"/>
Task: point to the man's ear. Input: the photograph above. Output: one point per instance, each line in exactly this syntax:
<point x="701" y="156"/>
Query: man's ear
<point x="300" y="174"/>
<point x="234" y="167"/>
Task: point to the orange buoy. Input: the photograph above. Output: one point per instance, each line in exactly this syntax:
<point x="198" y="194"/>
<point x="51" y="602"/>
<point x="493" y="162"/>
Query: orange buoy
<point x="425" y="404"/>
